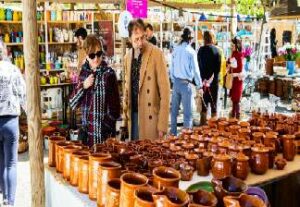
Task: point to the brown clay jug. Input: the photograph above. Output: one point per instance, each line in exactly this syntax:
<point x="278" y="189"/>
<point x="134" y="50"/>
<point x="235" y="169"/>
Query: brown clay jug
<point x="83" y="176"/>
<point x="171" y="197"/>
<point x="51" y="153"/>
<point x="165" y="177"/>
<point x="243" y="200"/>
<point x="106" y="172"/>
<point x="203" y="166"/>
<point x="113" y="193"/>
<point x="259" y="160"/>
<point x="130" y="182"/>
<point x="241" y="166"/>
<point x="74" y="166"/>
<point x="202" y="198"/>
<point x="59" y="154"/>
<point x="143" y="197"/>
<point x="67" y="152"/>
<point x="94" y="161"/>
<point x="221" y="166"/>
<point x="289" y="147"/>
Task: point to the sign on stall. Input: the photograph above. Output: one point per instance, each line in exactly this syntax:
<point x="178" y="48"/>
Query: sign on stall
<point x="124" y="19"/>
<point x="138" y="8"/>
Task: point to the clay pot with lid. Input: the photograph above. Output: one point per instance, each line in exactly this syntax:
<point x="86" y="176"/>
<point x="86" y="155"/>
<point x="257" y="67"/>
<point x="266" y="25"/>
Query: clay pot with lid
<point x="223" y="146"/>
<point x="186" y="171"/>
<point x="74" y="166"/>
<point x="222" y="125"/>
<point x="95" y="160"/>
<point x="289" y="147"/>
<point x="203" y="166"/>
<point x="234" y="149"/>
<point x="59" y="147"/>
<point x="106" y="172"/>
<point x="113" y="193"/>
<point x="244" y="124"/>
<point x="243" y="200"/>
<point x="67" y="152"/>
<point x="202" y="198"/>
<point x="166" y="177"/>
<point x="212" y="122"/>
<point x="83" y="175"/>
<point x="244" y="133"/>
<point x="171" y="197"/>
<point x="130" y="182"/>
<point x="258" y="137"/>
<point x="241" y="166"/>
<point x="143" y="197"/>
<point x="213" y="145"/>
<point x="271" y="140"/>
<point x="233" y="121"/>
<point x="221" y="166"/>
<point x="52" y="152"/>
<point x="259" y="160"/>
<point x="234" y="129"/>
<point x="192" y="158"/>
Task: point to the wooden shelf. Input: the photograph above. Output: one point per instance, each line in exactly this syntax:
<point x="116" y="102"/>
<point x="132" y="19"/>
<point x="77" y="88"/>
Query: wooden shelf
<point x="52" y="70"/>
<point x="16" y="22"/>
<point x="14" y="44"/>
<point x="56" y="85"/>
<point x="61" y="43"/>
<point x="68" y="22"/>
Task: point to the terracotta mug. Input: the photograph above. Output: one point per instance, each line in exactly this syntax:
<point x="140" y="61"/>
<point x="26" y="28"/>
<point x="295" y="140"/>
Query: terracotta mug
<point x="94" y="161"/>
<point x="51" y="153"/>
<point x="202" y="198"/>
<point x="130" y="182"/>
<point x="74" y="166"/>
<point x="83" y="175"/>
<point x="289" y="147"/>
<point x="165" y="177"/>
<point x="143" y="197"/>
<point x="113" y="193"/>
<point x="171" y="197"/>
<point x="67" y="152"/>
<point x="106" y="172"/>
<point x="59" y="154"/>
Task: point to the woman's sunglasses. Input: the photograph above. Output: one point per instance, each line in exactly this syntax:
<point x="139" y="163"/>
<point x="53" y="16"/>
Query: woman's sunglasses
<point x="93" y="55"/>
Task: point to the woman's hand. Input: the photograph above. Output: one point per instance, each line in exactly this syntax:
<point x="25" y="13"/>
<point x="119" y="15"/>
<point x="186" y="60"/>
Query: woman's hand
<point x="89" y="81"/>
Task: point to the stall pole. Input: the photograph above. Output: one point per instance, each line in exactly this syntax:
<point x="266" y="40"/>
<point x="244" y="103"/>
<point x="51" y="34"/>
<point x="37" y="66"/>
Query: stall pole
<point x="33" y="103"/>
<point x="233" y="18"/>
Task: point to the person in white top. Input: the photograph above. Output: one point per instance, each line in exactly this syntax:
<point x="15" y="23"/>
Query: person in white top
<point x="12" y="96"/>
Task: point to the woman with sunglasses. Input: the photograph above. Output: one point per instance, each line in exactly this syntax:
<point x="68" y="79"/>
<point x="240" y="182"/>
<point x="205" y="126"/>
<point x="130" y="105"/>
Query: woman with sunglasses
<point x="97" y="93"/>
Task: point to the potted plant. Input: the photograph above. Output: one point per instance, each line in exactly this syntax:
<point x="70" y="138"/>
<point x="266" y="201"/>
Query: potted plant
<point x="290" y="54"/>
<point x="247" y="52"/>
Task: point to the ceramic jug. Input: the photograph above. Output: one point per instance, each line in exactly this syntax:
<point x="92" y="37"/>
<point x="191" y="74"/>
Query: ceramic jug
<point x="221" y="166"/>
<point x="113" y="193"/>
<point x="259" y="160"/>
<point x="202" y="198"/>
<point x="243" y="200"/>
<point x="83" y="175"/>
<point x="289" y="147"/>
<point x="51" y="152"/>
<point x="144" y="197"/>
<point x="59" y="154"/>
<point x="171" y="197"/>
<point x="165" y="177"/>
<point x="74" y="166"/>
<point x="67" y="152"/>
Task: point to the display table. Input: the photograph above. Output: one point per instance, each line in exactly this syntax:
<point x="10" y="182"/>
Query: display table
<point x="61" y="193"/>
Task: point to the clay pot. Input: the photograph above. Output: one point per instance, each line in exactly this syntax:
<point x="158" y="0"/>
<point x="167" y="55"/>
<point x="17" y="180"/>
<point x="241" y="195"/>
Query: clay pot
<point x="243" y="200"/>
<point x="212" y="122"/>
<point x="221" y="166"/>
<point x="289" y="147"/>
<point x="83" y="175"/>
<point x="259" y="160"/>
<point x="106" y="172"/>
<point x="94" y="162"/>
<point x="192" y="158"/>
<point x="272" y="155"/>
<point x="223" y="147"/>
<point x="67" y="152"/>
<point x="244" y="124"/>
<point x="271" y="140"/>
<point x="113" y="193"/>
<point x="213" y="145"/>
<point x="229" y="186"/>
<point x="244" y="133"/>
<point x="186" y="172"/>
<point x="166" y="177"/>
<point x="51" y="153"/>
<point x="74" y="166"/>
<point x="233" y="121"/>
<point x="234" y="149"/>
<point x="223" y="125"/>
<point x="130" y="182"/>
<point x="202" y="198"/>
<point x="59" y="147"/>
<point x="241" y="166"/>
<point x="203" y="166"/>
<point x="234" y="129"/>
<point x="258" y="137"/>
<point x="280" y="163"/>
<point x="143" y="197"/>
<point x="171" y="197"/>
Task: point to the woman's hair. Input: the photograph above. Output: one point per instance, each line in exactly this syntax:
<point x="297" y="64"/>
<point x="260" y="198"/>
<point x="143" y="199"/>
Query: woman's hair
<point x="91" y="43"/>
<point x="238" y="43"/>
<point x="134" y="25"/>
<point x="186" y="35"/>
<point x="208" y="37"/>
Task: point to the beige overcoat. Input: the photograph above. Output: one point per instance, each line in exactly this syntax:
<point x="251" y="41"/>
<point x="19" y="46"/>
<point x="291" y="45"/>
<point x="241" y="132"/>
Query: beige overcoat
<point x="154" y="93"/>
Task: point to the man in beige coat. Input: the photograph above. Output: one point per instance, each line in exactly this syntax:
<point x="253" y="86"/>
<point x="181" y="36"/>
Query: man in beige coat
<point x="146" y="87"/>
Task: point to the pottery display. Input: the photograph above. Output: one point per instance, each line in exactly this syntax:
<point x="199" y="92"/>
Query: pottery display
<point x="51" y="152"/>
<point x="106" y="172"/>
<point x="243" y="200"/>
<point x="171" y="197"/>
<point x="83" y="174"/>
<point x="259" y="160"/>
<point x="143" y="197"/>
<point x="221" y="166"/>
<point x="94" y="161"/>
<point x="289" y="147"/>
<point x="241" y="166"/>
<point x="113" y="193"/>
<point x="130" y="182"/>
<point x="165" y="177"/>
<point x="74" y="166"/>
<point x="202" y="198"/>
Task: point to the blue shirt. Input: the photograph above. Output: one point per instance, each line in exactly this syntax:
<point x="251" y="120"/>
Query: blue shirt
<point x="184" y="64"/>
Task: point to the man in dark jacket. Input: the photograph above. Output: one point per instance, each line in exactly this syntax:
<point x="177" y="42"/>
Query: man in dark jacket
<point x="150" y="36"/>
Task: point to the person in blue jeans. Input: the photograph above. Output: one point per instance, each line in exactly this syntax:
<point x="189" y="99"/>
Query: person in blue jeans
<point x="184" y="73"/>
<point x="12" y="96"/>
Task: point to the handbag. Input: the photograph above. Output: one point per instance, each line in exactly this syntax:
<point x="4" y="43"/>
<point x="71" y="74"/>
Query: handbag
<point x="228" y="79"/>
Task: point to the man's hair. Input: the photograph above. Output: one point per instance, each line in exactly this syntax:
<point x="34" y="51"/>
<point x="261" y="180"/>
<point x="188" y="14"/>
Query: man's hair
<point x="134" y="25"/>
<point x="149" y="26"/>
<point x="208" y="37"/>
<point x="81" y="32"/>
